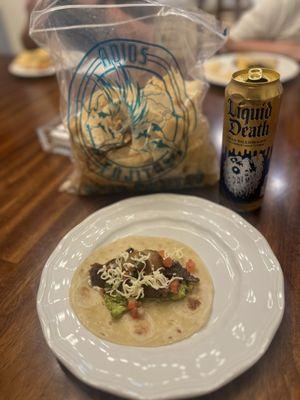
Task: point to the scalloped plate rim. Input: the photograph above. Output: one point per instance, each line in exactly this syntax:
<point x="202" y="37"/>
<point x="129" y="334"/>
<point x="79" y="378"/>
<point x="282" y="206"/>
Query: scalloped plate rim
<point x="105" y="385"/>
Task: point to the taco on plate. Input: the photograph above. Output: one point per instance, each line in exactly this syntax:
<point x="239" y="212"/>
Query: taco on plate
<point x="142" y="291"/>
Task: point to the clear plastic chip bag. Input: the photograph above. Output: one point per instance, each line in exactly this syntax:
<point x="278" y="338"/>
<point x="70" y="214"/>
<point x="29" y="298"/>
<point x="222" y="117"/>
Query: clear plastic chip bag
<point x="132" y="87"/>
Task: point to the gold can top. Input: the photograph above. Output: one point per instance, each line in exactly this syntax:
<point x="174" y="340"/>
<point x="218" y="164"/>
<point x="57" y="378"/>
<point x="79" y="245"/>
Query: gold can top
<point x="256" y="76"/>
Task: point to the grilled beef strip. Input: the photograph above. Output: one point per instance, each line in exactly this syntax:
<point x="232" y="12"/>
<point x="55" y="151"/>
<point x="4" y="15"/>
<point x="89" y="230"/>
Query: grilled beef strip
<point x="95" y="277"/>
<point x="177" y="270"/>
<point x="155" y="293"/>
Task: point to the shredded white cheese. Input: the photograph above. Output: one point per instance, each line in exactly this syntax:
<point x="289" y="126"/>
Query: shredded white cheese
<point x="133" y="287"/>
<point x="177" y="254"/>
<point x="99" y="271"/>
<point x="97" y="288"/>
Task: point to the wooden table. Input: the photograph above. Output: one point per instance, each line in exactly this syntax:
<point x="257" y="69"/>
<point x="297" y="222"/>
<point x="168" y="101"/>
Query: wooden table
<point x="35" y="216"/>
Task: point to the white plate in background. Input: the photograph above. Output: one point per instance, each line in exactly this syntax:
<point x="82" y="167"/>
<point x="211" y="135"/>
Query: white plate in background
<point x="219" y="69"/>
<point x="247" y="310"/>
<point x="22" y="72"/>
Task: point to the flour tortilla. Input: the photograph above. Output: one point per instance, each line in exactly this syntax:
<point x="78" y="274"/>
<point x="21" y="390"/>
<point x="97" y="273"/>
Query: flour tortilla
<point x="163" y="323"/>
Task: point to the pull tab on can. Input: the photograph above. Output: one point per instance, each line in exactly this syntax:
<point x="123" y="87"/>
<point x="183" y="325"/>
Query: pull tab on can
<point x="255" y="75"/>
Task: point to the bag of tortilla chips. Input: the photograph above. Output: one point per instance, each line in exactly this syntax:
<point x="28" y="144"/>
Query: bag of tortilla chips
<point x="132" y="88"/>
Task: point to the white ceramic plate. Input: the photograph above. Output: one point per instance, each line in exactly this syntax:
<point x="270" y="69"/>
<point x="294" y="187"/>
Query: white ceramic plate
<point x="219" y="69"/>
<point x="22" y="72"/>
<point x="247" y="310"/>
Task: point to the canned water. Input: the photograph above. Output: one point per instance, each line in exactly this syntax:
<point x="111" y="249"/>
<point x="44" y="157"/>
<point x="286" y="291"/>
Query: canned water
<point x="252" y="103"/>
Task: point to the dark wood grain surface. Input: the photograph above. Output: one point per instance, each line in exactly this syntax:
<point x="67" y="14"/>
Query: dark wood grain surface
<point x="34" y="216"/>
